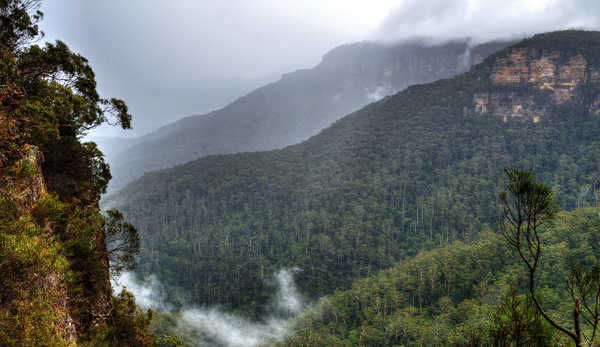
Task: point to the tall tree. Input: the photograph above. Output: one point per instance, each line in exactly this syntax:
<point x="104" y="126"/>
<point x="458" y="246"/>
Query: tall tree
<point x="18" y="25"/>
<point x="123" y="242"/>
<point x="527" y="206"/>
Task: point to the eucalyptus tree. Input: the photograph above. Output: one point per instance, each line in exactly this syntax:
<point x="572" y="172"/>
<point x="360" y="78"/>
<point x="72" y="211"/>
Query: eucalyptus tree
<point x="528" y="205"/>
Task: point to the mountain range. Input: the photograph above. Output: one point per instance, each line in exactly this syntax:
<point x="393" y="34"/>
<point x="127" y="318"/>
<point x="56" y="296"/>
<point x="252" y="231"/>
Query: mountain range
<point x="419" y="193"/>
<point x="297" y="106"/>
<point x="413" y="171"/>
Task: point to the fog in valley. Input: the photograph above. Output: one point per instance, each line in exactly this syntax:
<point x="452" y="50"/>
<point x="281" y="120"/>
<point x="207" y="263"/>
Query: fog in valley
<point x="170" y="60"/>
<point x="289" y="173"/>
<point x="217" y="325"/>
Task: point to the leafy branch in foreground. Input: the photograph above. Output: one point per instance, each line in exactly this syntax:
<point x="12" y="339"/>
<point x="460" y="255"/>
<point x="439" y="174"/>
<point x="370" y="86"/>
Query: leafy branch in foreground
<point x="527" y="205"/>
<point x="123" y="242"/>
<point x="584" y="288"/>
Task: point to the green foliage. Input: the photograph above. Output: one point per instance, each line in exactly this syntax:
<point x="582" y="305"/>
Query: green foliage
<point x="123" y="242"/>
<point x="31" y="322"/>
<point x="51" y="93"/>
<point x="24" y="241"/>
<point x="169" y="341"/>
<point x="25" y="169"/>
<point x="170" y="333"/>
<point x="65" y="76"/>
<point x="17" y="25"/>
<point x="88" y="273"/>
<point x="536" y="199"/>
<point x="100" y="171"/>
<point x="53" y="256"/>
<point x="411" y="172"/>
<point x="28" y="313"/>
<point x="129" y="325"/>
<point x="529" y="205"/>
<point x="584" y="286"/>
<point x="49" y="210"/>
<point x="456" y="295"/>
<point x="516" y="322"/>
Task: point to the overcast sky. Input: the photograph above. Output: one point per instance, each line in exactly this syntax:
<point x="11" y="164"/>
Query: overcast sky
<point x="173" y="58"/>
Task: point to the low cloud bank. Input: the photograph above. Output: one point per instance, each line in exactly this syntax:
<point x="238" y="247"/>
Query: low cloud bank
<point x="485" y="20"/>
<point x="226" y="328"/>
<point x="146" y="292"/>
<point x="232" y="331"/>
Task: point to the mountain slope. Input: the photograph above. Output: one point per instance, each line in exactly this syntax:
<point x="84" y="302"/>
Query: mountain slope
<point x="450" y="296"/>
<point x="415" y="170"/>
<point x="299" y="105"/>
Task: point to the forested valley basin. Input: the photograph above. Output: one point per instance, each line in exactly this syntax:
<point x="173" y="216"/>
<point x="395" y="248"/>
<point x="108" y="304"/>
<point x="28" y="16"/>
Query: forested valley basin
<point x="270" y="175"/>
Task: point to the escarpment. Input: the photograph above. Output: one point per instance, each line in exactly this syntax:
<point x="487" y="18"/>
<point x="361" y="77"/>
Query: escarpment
<point x="55" y="288"/>
<point x="417" y="156"/>
<point x="23" y="192"/>
<point x="49" y="294"/>
<point x="55" y="285"/>
<point x="555" y="76"/>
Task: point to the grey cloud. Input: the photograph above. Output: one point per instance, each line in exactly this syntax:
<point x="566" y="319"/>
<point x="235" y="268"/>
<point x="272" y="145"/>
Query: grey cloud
<point x="170" y="59"/>
<point x="486" y="20"/>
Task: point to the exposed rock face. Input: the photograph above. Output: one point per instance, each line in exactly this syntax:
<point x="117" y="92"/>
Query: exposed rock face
<point x="548" y="71"/>
<point x="55" y="282"/>
<point x="26" y="183"/>
<point x="508" y="104"/>
<point x="25" y="188"/>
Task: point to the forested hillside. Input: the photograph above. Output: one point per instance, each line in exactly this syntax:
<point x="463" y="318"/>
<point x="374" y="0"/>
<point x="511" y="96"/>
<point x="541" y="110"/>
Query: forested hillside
<point x="459" y="295"/>
<point x="298" y="105"/>
<point x="413" y="171"/>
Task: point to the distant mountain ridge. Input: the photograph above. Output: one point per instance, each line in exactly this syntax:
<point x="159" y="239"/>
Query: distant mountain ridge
<point x="298" y="105"/>
<point x="415" y="170"/>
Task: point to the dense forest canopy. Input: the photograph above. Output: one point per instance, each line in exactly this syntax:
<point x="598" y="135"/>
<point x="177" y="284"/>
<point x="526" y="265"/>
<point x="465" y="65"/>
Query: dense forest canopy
<point x="414" y="171"/>
<point x="396" y="213"/>
<point x="460" y="295"/>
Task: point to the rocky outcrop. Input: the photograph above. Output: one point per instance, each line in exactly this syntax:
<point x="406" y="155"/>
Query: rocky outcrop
<point x="28" y="188"/>
<point x="508" y="104"/>
<point x="555" y="74"/>
<point x="24" y="185"/>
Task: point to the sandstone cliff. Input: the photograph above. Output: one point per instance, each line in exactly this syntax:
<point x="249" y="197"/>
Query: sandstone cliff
<point x="556" y="74"/>
<point x="26" y="188"/>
